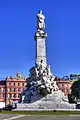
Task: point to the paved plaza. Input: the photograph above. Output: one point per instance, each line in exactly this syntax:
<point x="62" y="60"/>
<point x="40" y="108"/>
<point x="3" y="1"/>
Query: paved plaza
<point x="38" y="117"/>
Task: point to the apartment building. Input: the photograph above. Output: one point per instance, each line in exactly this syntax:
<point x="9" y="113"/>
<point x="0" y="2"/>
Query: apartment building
<point x="14" y="87"/>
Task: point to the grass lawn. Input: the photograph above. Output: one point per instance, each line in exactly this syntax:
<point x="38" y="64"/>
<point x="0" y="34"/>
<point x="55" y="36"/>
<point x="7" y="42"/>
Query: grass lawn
<point x="41" y="112"/>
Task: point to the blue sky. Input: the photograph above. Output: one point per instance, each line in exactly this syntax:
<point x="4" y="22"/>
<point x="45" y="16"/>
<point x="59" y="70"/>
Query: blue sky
<point x="17" y="29"/>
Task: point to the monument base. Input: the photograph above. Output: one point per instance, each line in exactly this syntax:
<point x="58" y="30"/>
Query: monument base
<point x="50" y="102"/>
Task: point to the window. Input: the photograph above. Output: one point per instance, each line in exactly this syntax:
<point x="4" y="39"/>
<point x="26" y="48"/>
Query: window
<point x="18" y="84"/>
<point x="3" y="95"/>
<point x="14" y="89"/>
<point x="19" y="95"/>
<point x="10" y="83"/>
<point x="18" y="89"/>
<point x="14" y="84"/>
<point x="22" y="84"/>
<point x="14" y="95"/>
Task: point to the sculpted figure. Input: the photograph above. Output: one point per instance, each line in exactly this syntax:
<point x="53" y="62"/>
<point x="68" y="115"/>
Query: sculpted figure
<point x="55" y="87"/>
<point x="40" y="25"/>
<point x="36" y="71"/>
<point x="42" y="65"/>
<point x="40" y="21"/>
<point x="48" y="70"/>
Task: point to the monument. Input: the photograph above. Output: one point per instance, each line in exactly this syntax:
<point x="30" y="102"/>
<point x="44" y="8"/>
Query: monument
<point x="42" y="91"/>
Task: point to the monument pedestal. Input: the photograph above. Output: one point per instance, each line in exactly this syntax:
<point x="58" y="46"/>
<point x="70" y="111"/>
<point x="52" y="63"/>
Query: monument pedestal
<point x="50" y="102"/>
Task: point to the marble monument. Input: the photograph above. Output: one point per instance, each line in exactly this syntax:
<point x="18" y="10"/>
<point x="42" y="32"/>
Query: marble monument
<point x="42" y="91"/>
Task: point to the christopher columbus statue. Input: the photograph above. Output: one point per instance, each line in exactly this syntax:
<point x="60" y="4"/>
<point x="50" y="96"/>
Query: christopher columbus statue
<point x="40" y="21"/>
<point x="40" y="25"/>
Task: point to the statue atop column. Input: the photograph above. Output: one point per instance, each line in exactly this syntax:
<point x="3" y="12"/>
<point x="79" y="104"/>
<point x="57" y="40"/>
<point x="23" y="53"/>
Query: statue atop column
<point x="40" y="25"/>
<point x="40" y="21"/>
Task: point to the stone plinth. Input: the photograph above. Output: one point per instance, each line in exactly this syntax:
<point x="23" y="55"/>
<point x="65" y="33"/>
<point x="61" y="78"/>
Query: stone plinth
<point x="51" y="101"/>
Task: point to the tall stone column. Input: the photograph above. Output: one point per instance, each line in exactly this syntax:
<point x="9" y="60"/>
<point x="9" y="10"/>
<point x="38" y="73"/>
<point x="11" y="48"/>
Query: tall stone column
<point x="40" y="37"/>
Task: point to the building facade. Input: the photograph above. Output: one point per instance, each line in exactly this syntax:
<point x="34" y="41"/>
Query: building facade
<point x="64" y="85"/>
<point x="14" y="88"/>
<point x="2" y="90"/>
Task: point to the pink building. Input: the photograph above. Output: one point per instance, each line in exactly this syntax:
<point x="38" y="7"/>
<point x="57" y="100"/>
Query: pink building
<point x="64" y="86"/>
<point x="14" y="88"/>
<point x="2" y="91"/>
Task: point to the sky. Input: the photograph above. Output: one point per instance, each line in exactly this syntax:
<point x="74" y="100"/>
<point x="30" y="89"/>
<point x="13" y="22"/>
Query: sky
<point x="17" y="29"/>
